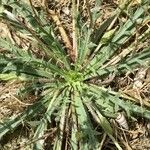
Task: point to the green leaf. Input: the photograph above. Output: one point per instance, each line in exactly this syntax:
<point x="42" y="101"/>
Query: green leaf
<point x="39" y="133"/>
<point x="84" y="47"/>
<point x="12" y="76"/>
<point x="74" y="131"/>
<point x="86" y="132"/>
<point x="98" y="34"/>
<point x="103" y="122"/>
<point x="122" y="102"/>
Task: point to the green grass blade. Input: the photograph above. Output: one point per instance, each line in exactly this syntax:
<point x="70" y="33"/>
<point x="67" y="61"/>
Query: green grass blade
<point x="141" y="58"/>
<point x="121" y="35"/>
<point x="30" y="67"/>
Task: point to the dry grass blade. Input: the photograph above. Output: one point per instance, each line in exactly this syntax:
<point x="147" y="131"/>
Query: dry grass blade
<point x="19" y="101"/>
<point x="102" y="141"/>
<point x="125" y="143"/>
<point x="119" y="57"/>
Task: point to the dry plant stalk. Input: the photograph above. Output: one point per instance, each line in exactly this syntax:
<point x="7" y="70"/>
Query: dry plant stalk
<point x="52" y="14"/>
<point x="61" y="29"/>
<point x="74" y="34"/>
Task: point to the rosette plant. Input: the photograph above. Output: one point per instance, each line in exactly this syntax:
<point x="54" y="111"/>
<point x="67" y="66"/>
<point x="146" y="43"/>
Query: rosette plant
<point x="71" y="74"/>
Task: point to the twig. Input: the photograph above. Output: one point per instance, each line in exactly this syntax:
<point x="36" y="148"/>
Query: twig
<point x="102" y="141"/>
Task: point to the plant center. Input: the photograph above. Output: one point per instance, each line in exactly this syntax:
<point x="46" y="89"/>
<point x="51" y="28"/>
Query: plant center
<point x="73" y="77"/>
